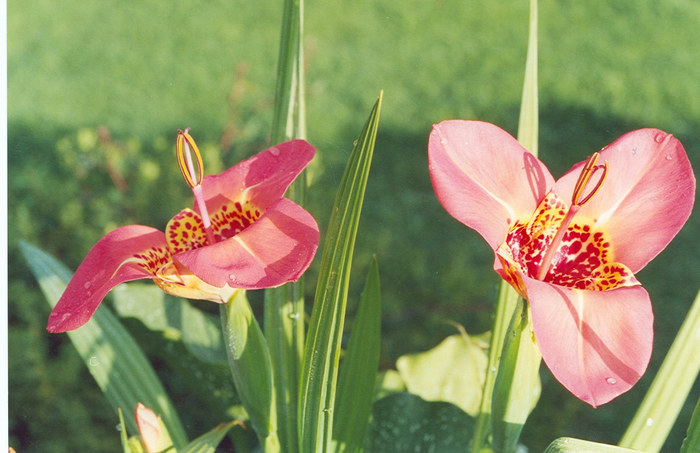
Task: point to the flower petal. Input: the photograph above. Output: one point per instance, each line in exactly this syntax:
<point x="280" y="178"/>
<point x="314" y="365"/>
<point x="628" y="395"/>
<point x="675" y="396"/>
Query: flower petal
<point x="646" y="198"/>
<point x="276" y="249"/>
<point x="128" y="253"/>
<point x="483" y="177"/>
<point x="596" y="343"/>
<point x="261" y="179"/>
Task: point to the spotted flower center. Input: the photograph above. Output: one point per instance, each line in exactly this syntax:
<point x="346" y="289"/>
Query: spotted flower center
<point x="186" y="230"/>
<point x="583" y="258"/>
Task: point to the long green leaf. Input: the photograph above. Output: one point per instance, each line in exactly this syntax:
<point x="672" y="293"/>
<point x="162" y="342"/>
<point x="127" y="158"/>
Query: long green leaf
<point x="664" y="400"/>
<point x="359" y="369"/>
<point x="322" y="349"/>
<point x="284" y="306"/>
<point x="288" y="120"/>
<point x="691" y="442"/>
<point x="112" y="356"/>
<point x="249" y="359"/>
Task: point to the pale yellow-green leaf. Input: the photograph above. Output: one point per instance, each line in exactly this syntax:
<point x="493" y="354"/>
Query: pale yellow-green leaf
<point x="453" y="371"/>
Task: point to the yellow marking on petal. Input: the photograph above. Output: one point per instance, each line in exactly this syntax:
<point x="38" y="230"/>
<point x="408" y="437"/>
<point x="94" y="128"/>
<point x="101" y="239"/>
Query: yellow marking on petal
<point x="185" y="232"/>
<point x="582" y="258"/>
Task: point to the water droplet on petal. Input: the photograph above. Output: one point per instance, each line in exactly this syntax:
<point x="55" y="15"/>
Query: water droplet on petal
<point x="65" y="316"/>
<point x="443" y="141"/>
<point x="87" y="285"/>
<point x="231" y="276"/>
<point x="611" y="381"/>
<point x="659" y="138"/>
<point x="650" y="421"/>
<point x="669" y="157"/>
<point x="275" y="151"/>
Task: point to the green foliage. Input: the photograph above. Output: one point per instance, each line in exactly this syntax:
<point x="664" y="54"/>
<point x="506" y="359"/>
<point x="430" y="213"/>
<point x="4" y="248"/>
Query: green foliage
<point x="207" y="442"/>
<point x="322" y="348"/>
<point x="113" y="358"/>
<point x="249" y="359"/>
<point x="692" y="440"/>
<point x="453" y="371"/>
<point x="402" y="422"/>
<point x="358" y="372"/>
<point x="568" y="445"/>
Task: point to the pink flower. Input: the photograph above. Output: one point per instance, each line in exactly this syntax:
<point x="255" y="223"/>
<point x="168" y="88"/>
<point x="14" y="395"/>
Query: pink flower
<point x="572" y="247"/>
<point x="241" y="234"/>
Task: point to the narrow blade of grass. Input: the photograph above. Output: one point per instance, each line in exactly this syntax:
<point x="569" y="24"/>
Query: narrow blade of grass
<point x="664" y="400"/>
<point x="322" y="349"/>
<point x="359" y="369"/>
<point x="111" y="355"/>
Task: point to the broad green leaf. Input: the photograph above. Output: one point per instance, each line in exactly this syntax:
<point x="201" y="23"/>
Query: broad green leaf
<point x="517" y="387"/>
<point x="322" y="349"/>
<point x="249" y="359"/>
<point x="358" y="372"/>
<point x="207" y="443"/>
<point x="403" y="422"/>
<point x="691" y="443"/>
<point x="200" y="332"/>
<point x="569" y="445"/>
<point x="453" y="371"/>
<point x="669" y="390"/>
<point x="284" y="306"/>
<point x="112" y="356"/>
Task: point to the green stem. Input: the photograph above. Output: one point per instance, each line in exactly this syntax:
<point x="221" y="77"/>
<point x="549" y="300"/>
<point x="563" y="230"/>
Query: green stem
<point x="507" y="302"/>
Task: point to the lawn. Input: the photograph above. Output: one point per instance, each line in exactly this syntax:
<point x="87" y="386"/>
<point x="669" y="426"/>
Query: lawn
<point x="97" y="91"/>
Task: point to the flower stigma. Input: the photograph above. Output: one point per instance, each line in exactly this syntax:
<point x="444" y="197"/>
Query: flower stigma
<point x="185" y="146"/>
<point x="589" y="169"/>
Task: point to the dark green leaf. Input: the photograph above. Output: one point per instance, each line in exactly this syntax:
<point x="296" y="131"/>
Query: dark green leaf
<point x="404" y="423"/>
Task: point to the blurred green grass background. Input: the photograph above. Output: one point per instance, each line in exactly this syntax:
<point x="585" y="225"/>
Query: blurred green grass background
<point x="97" y="91"/>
